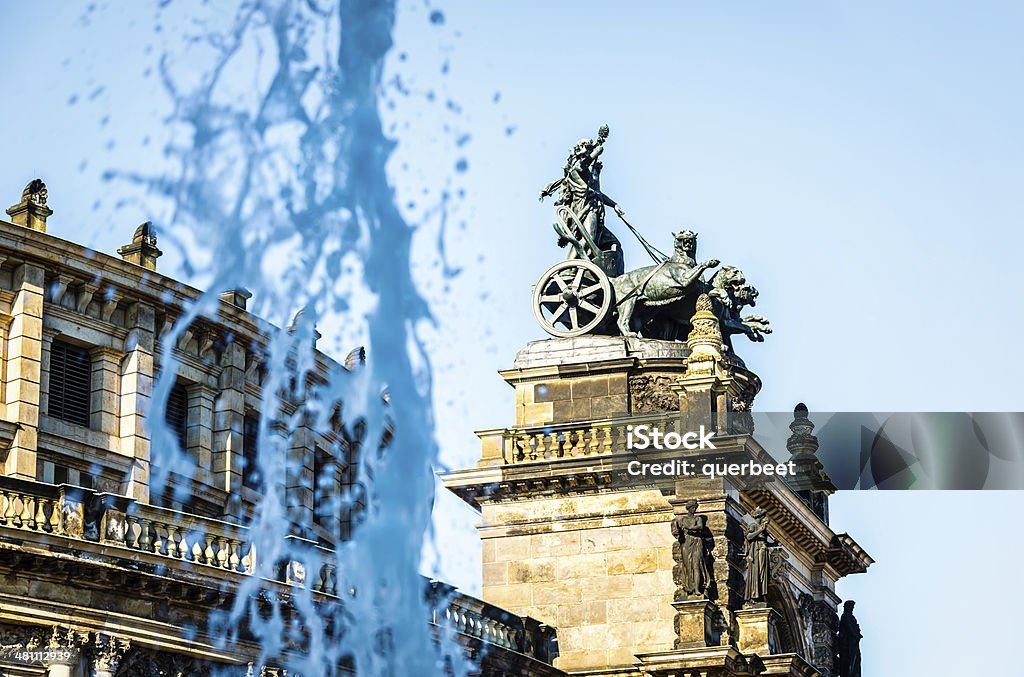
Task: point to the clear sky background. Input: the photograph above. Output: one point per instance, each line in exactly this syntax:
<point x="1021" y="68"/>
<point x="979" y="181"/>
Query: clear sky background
<point x="861" y="162"/>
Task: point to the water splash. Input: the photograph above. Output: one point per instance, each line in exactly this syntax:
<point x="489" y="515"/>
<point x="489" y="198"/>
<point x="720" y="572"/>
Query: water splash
<point x="281" y="183"/>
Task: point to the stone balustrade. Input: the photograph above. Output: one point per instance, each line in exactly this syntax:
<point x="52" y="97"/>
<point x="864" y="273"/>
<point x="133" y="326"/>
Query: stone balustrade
<point x="74" y="512"/>
<point x="112" y="520"/>
<point x="176" y="535"/>
<point x="475" y="618"/>
<point x="587" y="438"/>
<point x="30" y="506"/>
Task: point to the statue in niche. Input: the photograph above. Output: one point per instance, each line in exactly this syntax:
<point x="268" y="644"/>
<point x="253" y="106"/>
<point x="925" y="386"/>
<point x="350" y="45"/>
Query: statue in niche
<point x="693" y="576"/>
<point x="848" y="643"/>
<point x="757" y="543"/>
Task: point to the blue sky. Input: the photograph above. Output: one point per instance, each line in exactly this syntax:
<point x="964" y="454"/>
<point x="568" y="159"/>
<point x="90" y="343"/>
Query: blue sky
<point x="860" y="162"/>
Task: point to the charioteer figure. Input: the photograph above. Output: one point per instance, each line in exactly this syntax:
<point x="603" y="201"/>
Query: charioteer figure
<point x="579" y="194"/>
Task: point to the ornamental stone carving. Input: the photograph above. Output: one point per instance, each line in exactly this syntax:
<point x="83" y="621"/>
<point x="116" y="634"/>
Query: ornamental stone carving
<point x="107" y="652"/>
<point x="652" y="394"/>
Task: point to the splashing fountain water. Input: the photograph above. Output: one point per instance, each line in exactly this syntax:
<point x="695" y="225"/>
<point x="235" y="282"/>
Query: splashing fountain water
<point x="282" y="185"/>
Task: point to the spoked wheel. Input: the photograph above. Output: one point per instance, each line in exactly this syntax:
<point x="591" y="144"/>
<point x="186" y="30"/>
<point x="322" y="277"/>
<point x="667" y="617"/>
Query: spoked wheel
<point x="572" y="298"/>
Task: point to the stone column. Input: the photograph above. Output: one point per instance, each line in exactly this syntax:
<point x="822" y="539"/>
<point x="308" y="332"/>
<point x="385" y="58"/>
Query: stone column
<point x="104" y="408"/>
<point x="24" y="360"/>
<point x="199" y="434"/>
<point x="136" y="391"/>
<point x="228" y="420"/>
<point x="64" y="650"/>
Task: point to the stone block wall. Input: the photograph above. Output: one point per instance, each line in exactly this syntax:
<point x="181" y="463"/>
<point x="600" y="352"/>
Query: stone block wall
<point x="583" y="398"/>
<point x="598" y="567"/>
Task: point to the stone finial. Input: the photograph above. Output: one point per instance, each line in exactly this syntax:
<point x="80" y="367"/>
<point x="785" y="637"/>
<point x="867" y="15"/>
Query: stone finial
<point x="142" y="250"/>
<point x="32" y="211"/>
<point x="705" y="339"/>
<point x="810" y="481"/>
<point x="802" y="443"/>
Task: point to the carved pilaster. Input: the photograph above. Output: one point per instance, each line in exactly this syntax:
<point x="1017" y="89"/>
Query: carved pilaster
<point x="136" y="390"/>
<point x="23" y="370"/>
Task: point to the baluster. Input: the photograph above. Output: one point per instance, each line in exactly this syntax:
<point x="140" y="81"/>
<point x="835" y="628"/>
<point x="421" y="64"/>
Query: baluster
<point x="209" y="556"/>
<point x="25" y="513"/>
<point x="615" y="434"/>
<point x="54" y="527"/>
<point x="588" y="441"/>
<point x="11" y="514"/>
<point x="501" y="634"/>
<point x="41" y="522"/>
<point x="331" y="581"/>
<point x="131" y="537"/>
<point x="172" y="541"/>
<point x="321" y="579"/>
<point x="541" y="448"/>
<point x="144" y="539"/>
<point x="222" y="552"/>
<point x="4" y="502"/>
<point x="233" y="559"/>
<point x="195" y="548"/>
<point x="249" y="559"/>
<point x="29" y="513"/>
<point x="158" y="542"/>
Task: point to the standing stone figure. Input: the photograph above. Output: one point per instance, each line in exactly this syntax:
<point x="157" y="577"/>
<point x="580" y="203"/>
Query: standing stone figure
<point x="579" y="189"/>
<point x="848" y="643"/>
<point x="690" y="529"/>
<point x="757" y="540"/>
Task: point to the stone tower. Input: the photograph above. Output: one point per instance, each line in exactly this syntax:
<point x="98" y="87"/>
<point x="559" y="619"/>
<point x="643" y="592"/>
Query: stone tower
<point x="692" y="577"/>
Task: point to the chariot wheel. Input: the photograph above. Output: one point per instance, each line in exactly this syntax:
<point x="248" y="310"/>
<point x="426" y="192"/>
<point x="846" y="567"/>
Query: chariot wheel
<point x="572" y="298"/>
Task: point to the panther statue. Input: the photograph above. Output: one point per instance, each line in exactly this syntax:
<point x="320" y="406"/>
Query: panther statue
<point x="658" y="301"/>
<point x="730" y="293"/>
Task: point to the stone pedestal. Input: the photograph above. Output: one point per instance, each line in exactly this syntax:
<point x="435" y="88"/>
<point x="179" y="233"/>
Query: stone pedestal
<point x="757" y="630"/>
<point x="695" y="623"/>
